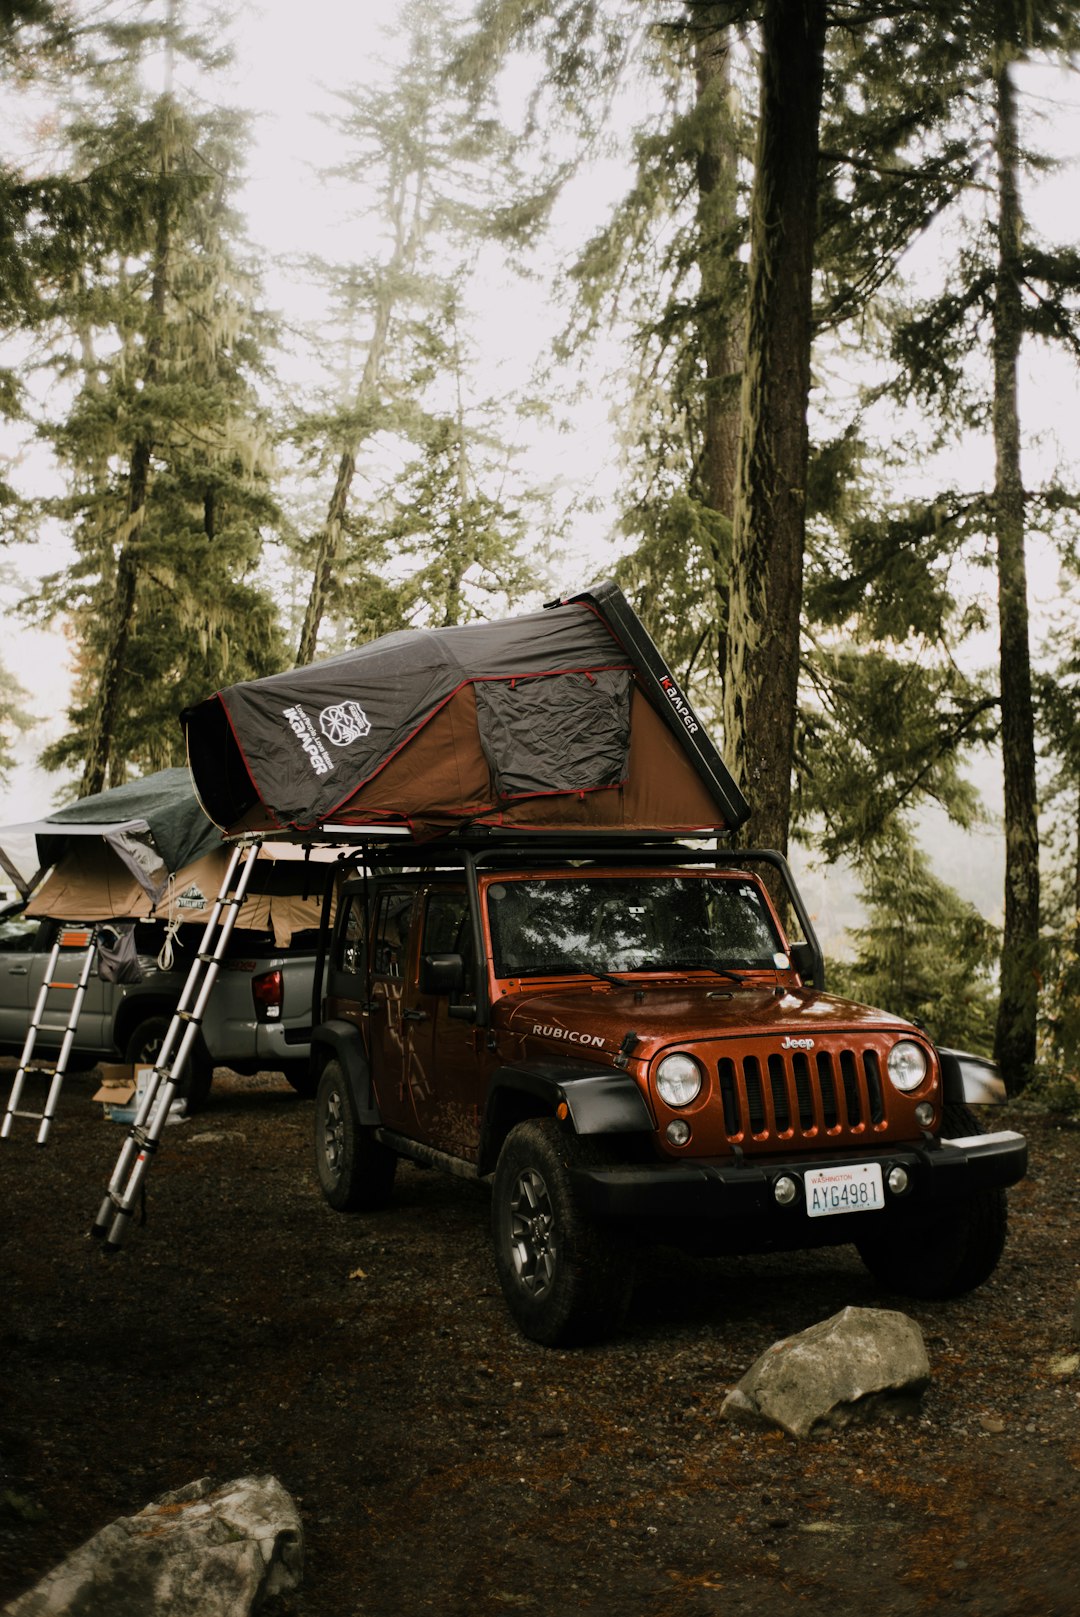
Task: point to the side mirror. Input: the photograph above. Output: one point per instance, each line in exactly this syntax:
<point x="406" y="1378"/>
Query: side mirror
<point x="442" y="974"/>
<point x="803" y="959"/>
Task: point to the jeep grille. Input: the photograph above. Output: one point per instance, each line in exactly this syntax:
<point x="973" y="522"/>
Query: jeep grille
<point x="800" y="1093"/>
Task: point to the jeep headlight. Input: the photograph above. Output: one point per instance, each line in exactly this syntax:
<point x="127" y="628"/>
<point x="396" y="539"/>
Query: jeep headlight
<point x="907" y="1066"/>
<point x="678" y="1080"/>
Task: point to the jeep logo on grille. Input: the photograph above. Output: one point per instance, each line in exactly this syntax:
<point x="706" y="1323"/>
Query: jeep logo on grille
<point x="796" y="1044"/>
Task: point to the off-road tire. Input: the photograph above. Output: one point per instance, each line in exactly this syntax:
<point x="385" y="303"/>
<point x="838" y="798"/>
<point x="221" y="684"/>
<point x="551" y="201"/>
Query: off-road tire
<point x="566" y="1280"/>
<point x="954" y="1253"/>
<point x="356" y="1171"/>
<point x="144" y="1046"/>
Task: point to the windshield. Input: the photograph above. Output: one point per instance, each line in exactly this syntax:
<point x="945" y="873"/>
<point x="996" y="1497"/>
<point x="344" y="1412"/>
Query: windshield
<point x="630" y="923"/>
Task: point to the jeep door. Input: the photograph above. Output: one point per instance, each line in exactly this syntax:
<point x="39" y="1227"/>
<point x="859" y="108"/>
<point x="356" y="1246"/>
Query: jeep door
<point x="391" y="962"/>
<point x="447" y="1058"/>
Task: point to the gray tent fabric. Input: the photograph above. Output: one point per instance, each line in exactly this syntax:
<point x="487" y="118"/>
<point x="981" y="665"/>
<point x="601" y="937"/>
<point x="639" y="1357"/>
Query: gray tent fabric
<point x="565" y="732"/>
<point x="166" y="805"/>
<point x="309" y="737"/>
<point x="118" y="958"/>
<point x="154" y="826"/>
<point x="536" y="718"/>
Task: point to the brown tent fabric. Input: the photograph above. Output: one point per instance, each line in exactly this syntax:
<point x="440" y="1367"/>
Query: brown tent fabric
<point x="90" y="883"/>
<point x="444" y="766"/>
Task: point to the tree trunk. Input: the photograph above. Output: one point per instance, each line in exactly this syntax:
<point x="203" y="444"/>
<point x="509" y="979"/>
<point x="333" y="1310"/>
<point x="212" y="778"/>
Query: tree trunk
<point x="330" y="545"/>
<point x="719" y="311"/>
<point x="100" y="758"/>
<point x="1014" y="1039"/>
<point x="761" y="689"/>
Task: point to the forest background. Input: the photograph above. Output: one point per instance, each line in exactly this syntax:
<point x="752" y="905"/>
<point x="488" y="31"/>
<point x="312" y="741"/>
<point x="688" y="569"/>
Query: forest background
<point x="419" y="312"/>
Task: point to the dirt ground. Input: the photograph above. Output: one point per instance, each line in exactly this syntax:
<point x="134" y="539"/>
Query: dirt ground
<point x="442" y="1464"/>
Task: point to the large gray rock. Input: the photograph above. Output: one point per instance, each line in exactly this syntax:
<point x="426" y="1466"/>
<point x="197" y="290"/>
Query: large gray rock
<point x="860" y="1361"/>
<point x="198" y="1552"/>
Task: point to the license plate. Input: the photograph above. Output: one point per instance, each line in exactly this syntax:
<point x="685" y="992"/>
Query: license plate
<point x="844" y="1190"/>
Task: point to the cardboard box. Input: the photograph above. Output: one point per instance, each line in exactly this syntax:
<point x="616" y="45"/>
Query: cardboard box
<point x="117" y="1083"/>
<point x="122" y="1091"/>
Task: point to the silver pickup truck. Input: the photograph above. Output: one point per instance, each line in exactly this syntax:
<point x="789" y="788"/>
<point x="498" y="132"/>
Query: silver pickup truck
<point x="258" y="1017"/>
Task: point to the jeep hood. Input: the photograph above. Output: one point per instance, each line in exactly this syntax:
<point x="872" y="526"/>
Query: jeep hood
<point x="599" y="1015"/>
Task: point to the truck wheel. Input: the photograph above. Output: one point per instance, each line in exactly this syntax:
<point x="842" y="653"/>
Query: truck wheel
<point x="356" y="1171"/>
<point x="953" y="1254"/>
<point x="144" y="1046"/>
<point x="566" y="1280"/>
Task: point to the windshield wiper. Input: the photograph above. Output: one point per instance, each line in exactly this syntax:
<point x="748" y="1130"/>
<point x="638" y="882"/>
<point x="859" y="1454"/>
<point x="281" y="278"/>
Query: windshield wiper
<point x="550" y="968"/>
<point x="695" y="965"/>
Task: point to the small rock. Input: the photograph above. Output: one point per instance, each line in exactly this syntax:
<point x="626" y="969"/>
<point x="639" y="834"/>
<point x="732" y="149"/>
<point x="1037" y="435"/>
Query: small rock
<point x="859" y="1362"/>
<point x="197" y="1552"/>
<point x="991" y="1423"/>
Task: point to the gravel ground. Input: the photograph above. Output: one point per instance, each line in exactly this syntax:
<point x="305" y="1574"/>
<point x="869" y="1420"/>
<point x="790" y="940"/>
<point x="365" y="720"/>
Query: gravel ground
<point x="443" y="1464"/>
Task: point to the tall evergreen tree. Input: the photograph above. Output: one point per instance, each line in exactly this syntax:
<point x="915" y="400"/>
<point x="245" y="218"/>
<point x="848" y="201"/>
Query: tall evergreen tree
<point x="1000" y="289"/>
<point x="426" y="175"/>
<point x="923" y="952"/>
<point x="761" y="688"/>
<point x="154" y="335"/>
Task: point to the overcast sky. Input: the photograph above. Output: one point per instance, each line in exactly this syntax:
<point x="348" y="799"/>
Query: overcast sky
<point x="289" y="58"/>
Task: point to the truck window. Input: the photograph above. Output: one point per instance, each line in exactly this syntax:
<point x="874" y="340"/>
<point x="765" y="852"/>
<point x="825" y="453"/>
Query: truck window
<point x="628" y="923"/>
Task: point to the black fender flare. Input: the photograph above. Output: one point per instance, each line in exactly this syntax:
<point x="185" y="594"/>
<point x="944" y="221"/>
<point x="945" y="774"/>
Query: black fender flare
<point x="970" y="1079"/>
<point x="598" y="1100"/>
<point x="135" y="1008"/>
<point x="341" y="1040"/>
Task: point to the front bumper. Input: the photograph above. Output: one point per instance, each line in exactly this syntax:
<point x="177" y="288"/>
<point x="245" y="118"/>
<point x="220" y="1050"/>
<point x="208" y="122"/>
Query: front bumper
<point x="740" y="1193"/>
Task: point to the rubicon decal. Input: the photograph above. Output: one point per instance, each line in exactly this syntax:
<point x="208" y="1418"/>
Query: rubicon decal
<point x="548" y="1032"/>
<point x="304" y="731"/>
<point x="680" y="704"/>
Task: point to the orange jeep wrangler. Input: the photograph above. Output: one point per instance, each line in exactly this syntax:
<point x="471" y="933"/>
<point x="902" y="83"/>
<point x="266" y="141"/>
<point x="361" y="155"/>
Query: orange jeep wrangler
<point x="623" y="1039"/>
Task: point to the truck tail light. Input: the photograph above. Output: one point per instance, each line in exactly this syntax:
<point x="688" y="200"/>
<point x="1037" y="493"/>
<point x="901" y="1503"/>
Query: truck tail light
<point x="267" y="991"/>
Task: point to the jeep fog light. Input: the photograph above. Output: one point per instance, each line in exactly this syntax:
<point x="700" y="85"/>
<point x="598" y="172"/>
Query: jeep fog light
<point x="898" y="1180"/>
<point x="907" y="1066"/>
<point x="678" y="1132"/>
<point x="785" y="1190"/>
<point x="678" y="1080"/>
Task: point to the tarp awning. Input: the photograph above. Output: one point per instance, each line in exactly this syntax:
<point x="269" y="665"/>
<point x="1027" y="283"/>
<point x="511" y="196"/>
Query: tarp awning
<point x="154" y="826"/>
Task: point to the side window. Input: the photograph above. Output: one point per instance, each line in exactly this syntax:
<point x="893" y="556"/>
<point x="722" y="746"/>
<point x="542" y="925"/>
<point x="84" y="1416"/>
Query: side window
<point x="19" y="935"/>
<point x="350" y="937"/>
<point x="447" y="929"/>
<point x="391" y="935"/>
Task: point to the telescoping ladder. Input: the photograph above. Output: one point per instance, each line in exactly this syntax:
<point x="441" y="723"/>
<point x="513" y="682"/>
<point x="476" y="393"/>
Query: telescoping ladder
<point x="67" y="938"/>
<point x="136" y="1153"/>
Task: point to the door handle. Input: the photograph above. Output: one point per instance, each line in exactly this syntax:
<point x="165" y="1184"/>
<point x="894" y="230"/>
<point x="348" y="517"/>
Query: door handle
<point x="19" y="971"/>
<point x="414" y="1016"/>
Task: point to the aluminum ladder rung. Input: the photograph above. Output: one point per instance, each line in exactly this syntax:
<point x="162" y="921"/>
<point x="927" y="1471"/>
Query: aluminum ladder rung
<point x="142" y="1143"/>
<point x="85" y="938"/>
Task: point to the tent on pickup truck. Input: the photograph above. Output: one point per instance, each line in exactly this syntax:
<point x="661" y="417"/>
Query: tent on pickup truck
<point x="566" y="719"/>
<point x="147" y="851"/>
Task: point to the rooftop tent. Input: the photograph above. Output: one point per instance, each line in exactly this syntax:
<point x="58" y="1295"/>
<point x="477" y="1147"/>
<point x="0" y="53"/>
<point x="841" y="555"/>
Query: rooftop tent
<point x="147" y="850"/>
<point x="564" y="719"/>
<point x="151" y="827"/>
